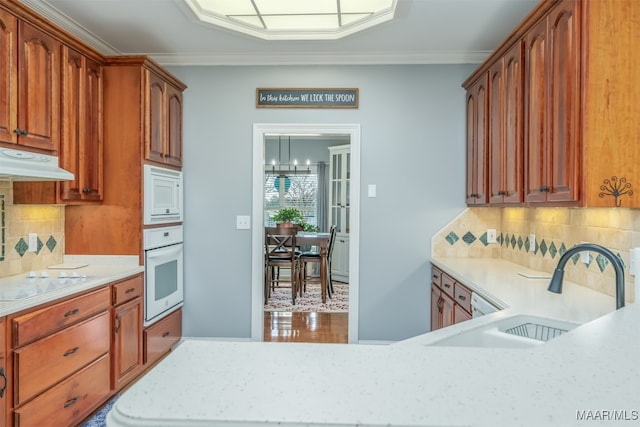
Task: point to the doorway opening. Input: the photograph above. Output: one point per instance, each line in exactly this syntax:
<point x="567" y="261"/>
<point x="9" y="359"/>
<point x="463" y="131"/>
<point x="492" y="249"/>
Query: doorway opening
<point x="261" y="133"/>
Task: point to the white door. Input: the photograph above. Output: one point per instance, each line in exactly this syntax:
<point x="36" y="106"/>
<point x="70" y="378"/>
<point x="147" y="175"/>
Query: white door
<point x="339" y="209"/>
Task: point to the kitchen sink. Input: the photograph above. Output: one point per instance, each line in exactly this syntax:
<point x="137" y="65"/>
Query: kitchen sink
<point x="519" y="331"/>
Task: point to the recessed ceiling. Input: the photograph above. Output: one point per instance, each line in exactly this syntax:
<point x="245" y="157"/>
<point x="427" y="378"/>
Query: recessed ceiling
<point x="421" y="32"/>
<point x="294" y="20"/>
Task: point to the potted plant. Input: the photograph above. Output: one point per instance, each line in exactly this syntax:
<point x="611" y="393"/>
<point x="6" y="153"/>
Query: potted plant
<point x="286" y="217"/>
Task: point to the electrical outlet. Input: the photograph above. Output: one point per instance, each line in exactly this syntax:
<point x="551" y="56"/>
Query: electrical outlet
<point x="532" y="243"/>
<point x="585" y="256"/>
<point x="33" y="242"/>
<point x="491" y="235"/>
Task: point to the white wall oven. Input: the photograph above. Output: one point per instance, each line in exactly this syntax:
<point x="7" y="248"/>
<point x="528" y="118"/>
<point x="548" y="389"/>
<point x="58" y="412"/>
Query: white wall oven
<point x="163" y="195"/>
<point x="164" y="288"/>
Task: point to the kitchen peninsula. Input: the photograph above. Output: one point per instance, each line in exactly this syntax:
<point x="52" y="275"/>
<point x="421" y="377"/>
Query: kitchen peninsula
<point x="580" y="377"/>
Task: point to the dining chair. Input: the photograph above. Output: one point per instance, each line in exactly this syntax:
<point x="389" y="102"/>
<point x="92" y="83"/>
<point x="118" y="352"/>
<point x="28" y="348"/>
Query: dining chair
<point x="280" y="252"/>
<point x="307" y="257"/>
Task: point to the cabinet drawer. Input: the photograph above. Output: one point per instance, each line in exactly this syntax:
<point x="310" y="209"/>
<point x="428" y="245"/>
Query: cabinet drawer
<point x="43" y="363"/>
<point x="436" y="277"/>
<point x="448" y="284"/>
<point x="463" y="297"/>
<point x="128" y="289"/>
<point x="71" y="400"/>
<point x="38" y="323"/>
<point x="159" y="338"/>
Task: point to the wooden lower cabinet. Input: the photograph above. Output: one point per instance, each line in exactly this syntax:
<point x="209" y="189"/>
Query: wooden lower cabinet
<point x="161" y="336"/>
<point x="69" y="401"/>
<point x="126" y="344"/>
<point x="450" y="300"/>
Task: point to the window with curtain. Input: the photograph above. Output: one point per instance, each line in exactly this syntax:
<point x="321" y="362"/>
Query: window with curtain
<point x="284" y="189"/>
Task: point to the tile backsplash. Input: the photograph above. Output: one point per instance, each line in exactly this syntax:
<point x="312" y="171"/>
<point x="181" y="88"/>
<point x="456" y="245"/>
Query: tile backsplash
<point x="16" y="222"/>
<point x="555" y="230"/>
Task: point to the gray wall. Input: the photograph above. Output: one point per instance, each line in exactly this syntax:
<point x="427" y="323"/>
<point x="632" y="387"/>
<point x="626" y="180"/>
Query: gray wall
<point x="412" y="121"/>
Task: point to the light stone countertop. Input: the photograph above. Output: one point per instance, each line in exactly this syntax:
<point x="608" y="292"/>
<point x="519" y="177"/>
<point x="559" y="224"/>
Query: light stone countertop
<point x="590" y="372"/>
<point x="99" y="271"/>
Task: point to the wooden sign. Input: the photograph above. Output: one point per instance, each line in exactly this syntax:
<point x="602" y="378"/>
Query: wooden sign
<point x="306" y="98"/>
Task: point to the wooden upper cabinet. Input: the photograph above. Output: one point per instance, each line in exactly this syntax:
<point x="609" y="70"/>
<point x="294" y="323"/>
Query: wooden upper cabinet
<point x="38" y="103"/>
<point x="9" y="80"/>
<point x="164" y="127"/>
<point x="552" y="94"/>
<point x="477" y="143"/>
<point x="81" y="149"/>
<point x="505" y="128"/>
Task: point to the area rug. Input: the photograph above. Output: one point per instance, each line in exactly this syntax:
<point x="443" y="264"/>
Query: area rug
<point x="98" y="419"/>
<point x="311" y="300"/>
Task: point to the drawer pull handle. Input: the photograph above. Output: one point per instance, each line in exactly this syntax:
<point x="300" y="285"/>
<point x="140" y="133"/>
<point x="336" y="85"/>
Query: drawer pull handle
<point x="462" y="297"/>
<point x="117" y="324"/>
<point x="72" y="312"/>
<point x="4" y="386"/>
<point x="128" y="291"/>
<point x="70" y="352"/>
<point x="71" y="402"/>
<point x="447" y="285"/>
<point x="166" y="334"/>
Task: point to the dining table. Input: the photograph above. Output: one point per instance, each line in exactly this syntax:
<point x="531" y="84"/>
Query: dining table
<point x="321" y="240"/>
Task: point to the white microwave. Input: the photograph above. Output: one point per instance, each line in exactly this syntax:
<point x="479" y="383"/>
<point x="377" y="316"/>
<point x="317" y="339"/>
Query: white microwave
<point x="163" y="195"/>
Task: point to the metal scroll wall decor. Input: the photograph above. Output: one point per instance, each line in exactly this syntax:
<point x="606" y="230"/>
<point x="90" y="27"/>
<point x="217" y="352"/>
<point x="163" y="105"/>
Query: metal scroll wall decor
<point x="616" y="187"/>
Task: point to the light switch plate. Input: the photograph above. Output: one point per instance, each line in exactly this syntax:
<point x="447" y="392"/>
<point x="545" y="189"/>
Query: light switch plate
<point x="532" y="243"/>
<point x="371" y="190"/>
<point x="491" y="235"/>
<point x="243" y="222"/>
<point x="33" y="242"/>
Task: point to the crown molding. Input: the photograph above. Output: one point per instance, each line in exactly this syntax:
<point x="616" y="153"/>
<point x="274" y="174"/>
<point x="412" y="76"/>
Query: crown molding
<point x="57" y="17"/>
<point x="322" y="58"/>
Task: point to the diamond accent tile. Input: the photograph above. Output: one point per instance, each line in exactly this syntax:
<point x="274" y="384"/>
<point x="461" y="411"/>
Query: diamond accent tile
<point x="468" y="238"/>
<point x="39" y="246"/>
<point x="520" y="242"/>
<point x="483" y="239"/>
<point x="21" y="247"/>
<point x="543" y="248"/>
<point x="563" y="249"/>
<point x="575" y="258"/>
<point x="513" y="241"/>
<point x="506" y="240"/>
<point x="500" y="239"/>
<point x="602" y="262"/>
<point x="527" y="244"/>
<point x="553" y="251"/>
<point x="51" y="243"/>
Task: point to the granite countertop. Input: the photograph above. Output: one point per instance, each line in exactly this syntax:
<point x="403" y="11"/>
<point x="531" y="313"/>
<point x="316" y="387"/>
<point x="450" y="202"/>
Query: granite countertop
<point x="590" y="372"/>
<point x="99" y="271"/>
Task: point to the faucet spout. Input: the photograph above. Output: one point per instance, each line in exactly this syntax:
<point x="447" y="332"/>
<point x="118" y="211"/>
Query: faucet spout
<point x="558" y="275"/>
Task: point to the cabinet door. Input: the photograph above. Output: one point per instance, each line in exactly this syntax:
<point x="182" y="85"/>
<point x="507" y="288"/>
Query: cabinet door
<point x="447" y="310"/>
<point x="512" y="125"/>
<point x="72" y="70"/>
<point x="127" y="342"/>
<point x="496" y="135"/>
<point x="340" y="258"/>
<point x="38" y="89"/>
<point x="477" y="143"/>
<point x="436" y="313"/>
<point x="563" y="101"/>
<point x="91" y="144"/>
<point x="156" y="115"/>
<point x="9" y="80"/>
<point x="460" y="315"/>
<point x="535" y="45"/>
<point x="174" y="123"/>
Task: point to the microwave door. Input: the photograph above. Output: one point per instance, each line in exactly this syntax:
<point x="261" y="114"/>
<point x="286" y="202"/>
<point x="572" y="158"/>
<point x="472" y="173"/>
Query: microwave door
<point x="165" y="197"/>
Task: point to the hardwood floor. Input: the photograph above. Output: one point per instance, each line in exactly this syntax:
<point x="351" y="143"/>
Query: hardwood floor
<point x="306" y="327"/>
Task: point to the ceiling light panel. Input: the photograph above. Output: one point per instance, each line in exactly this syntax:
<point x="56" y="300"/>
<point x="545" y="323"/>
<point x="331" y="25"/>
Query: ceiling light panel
<point x="294" y="20"/>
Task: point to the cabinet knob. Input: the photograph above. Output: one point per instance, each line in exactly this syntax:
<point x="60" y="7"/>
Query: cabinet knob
<point x="86" y="190"/>
<point x="19" y="131"/>
<point x="544" y="189"/>
<point x="502" y="193"/>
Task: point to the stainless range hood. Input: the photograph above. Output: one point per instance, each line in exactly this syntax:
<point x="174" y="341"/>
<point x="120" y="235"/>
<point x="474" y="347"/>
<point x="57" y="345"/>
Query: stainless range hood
<point x="16" y="165"/>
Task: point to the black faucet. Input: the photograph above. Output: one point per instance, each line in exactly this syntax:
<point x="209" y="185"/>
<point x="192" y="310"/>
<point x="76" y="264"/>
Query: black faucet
<point x="556" y="280"/>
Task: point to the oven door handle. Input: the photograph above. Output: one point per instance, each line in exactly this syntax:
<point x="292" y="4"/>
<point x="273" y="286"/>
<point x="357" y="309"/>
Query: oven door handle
<point x="164" y="252"/>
